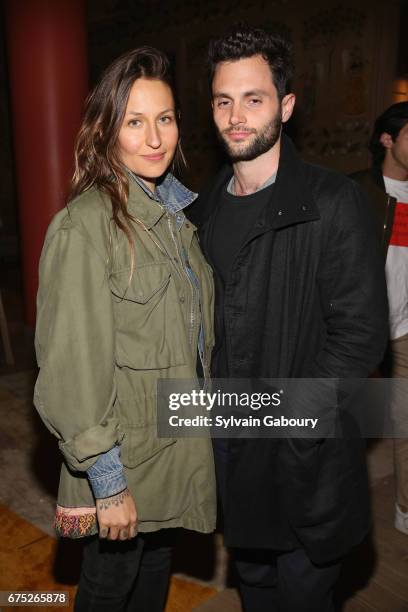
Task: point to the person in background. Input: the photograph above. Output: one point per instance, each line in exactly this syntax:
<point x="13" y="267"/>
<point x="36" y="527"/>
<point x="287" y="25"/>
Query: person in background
<point x="125" y="300"/>
<point x="386" y="182"/>
<point x="300" y="293"/>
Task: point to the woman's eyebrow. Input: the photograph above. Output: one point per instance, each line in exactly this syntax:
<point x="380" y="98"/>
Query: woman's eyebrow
<point x="166" y="110"/>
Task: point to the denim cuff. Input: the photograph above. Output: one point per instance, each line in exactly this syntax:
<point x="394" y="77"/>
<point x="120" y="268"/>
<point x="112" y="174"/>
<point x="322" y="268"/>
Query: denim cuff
<point x="106" y="475"/>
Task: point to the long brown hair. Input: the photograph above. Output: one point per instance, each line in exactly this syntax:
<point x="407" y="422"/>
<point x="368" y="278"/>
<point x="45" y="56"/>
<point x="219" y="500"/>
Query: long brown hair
<point x="96" y="157"/>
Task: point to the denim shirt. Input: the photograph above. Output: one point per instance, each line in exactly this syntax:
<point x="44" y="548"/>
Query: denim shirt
<point x="106" y="476"/>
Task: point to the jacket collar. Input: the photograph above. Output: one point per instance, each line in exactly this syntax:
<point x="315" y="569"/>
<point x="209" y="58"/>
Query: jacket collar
<point x="149" y="207"/>
<point x="169" y="192"/>
<point x="377" y="176"/>
<point x="292" y="200"/>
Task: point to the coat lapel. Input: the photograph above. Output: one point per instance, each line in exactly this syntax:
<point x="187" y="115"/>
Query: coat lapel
<point x="292" y="201"/>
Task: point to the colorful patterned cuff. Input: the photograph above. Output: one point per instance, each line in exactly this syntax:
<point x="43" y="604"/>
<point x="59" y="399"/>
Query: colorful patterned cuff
<point x="75" y="522"/>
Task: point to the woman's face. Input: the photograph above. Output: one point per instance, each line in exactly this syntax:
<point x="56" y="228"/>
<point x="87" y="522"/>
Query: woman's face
<point x="148" y="137"/>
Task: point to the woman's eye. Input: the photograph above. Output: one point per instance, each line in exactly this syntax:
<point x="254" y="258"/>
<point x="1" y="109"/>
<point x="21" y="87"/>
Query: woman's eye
<point x="166" y="119"/>
<point x="134" y="123"/>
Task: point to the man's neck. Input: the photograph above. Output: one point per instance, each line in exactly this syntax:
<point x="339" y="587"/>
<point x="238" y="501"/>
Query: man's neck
<point x="393" y="170"/>
<point x="249" y="176"/>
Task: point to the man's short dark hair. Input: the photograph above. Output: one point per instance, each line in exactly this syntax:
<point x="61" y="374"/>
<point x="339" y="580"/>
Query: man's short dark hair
<point x="244" y="41"/>
<point x="391" y="122"/>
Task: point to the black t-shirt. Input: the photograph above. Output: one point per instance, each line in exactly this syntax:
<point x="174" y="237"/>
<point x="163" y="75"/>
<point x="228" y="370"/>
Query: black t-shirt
<point x="235" y="217"/>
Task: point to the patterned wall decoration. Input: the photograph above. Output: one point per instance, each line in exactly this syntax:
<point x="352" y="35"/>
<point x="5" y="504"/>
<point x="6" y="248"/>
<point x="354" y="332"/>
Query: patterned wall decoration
<point x="334" y="84"/>
<point x="345" y="54"/>
<point x="335" y="52"/>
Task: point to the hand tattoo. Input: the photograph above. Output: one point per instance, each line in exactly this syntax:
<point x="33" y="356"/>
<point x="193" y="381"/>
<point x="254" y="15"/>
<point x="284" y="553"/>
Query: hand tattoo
<point x="104" y="533"/>
<point x="115" y="500"/>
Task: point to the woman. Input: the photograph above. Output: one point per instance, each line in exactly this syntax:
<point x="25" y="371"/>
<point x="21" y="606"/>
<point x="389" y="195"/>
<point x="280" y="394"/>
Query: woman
<point x="125" y="299"/>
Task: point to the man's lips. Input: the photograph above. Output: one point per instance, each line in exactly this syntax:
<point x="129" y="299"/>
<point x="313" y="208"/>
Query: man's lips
<point x="239" y="135"/>
<point x="154" y="157"/>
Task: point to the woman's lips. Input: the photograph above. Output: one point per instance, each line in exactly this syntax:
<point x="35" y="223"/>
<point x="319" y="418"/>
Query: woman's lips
<point x="154" y="157"/>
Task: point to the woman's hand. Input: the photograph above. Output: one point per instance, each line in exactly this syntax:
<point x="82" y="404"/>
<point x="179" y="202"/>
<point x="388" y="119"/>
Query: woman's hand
<point x="117" y="516"/>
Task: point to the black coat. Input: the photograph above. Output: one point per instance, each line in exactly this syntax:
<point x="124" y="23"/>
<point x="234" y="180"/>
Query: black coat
<point x="306" y="298"/>
<point x="372" y="182"/>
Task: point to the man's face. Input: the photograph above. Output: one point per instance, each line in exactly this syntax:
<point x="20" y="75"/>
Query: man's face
<point x="396" y="154"/>
<point x="246" y="108"/>
<point x="399" y="150"/>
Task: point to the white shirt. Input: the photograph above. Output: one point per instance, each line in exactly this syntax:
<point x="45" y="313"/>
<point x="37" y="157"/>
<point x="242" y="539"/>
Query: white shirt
<point x="396" y="267"/>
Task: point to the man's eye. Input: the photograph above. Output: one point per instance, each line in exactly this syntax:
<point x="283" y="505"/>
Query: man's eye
<point x="255" y="101"/>
<point x="222" y="103"/>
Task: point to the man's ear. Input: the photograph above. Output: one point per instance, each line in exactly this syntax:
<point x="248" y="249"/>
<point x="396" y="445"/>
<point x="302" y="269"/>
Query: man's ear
<point x="288" y="103"/>
<point x="386" y="140"/>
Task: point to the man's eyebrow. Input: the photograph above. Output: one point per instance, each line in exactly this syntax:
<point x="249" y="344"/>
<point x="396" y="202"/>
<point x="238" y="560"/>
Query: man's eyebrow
<point x="246" y="94"/>
<point x="256" y="92"/>
<point x="221" y="94"/>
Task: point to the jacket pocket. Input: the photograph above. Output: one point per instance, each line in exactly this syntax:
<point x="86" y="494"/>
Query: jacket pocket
<point x="148" y="320"/>
<point x="146" y="282"/>
<point x="141" y="443"/>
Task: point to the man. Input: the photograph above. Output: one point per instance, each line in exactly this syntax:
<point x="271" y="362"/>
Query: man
<point x="387" y="184"/>
<point x="300" y="292"/>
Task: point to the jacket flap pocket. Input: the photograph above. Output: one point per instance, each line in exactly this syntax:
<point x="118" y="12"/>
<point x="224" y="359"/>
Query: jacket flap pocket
<point x="141" y="443"/>
<point x="146" y="281"/>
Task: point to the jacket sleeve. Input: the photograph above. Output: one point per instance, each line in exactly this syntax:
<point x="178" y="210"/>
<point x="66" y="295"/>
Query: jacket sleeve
<point x="353" y="292"/>
<point x="106" y="475"/>
<point x="75" y="391"/>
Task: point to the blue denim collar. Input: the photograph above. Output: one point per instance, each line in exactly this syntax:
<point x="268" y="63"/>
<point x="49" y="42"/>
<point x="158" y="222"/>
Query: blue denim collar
<point x="170" y="193"/>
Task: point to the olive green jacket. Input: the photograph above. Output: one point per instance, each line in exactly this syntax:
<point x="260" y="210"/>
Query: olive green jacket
<point x="104" y="338"/>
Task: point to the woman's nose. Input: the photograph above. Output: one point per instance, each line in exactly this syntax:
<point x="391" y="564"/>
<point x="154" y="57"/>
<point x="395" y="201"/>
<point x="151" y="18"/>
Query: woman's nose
<point x="153" y="137"/>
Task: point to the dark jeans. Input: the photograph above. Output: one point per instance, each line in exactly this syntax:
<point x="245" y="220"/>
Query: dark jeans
<point x="272" y="581"/>
<point x="276" y="581"/>
<point x="131" y="576"/>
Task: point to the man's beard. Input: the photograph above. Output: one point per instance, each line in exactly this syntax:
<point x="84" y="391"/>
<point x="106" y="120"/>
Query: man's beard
<point x="264" y="140"/>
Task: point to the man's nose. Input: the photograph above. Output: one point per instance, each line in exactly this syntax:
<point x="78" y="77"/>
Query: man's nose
<point x="237" y="116"/>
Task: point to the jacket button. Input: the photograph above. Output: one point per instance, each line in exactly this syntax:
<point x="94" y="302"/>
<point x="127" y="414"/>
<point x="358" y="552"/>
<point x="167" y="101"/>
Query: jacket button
<point x="187" y="224"/>
<point x="104" y="423"/>
<point x="182" y="299"/>
<point x="304" y="208"/>
<point x="280" y="212"/>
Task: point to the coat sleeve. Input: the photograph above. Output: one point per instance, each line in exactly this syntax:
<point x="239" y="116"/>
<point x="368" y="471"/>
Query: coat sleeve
<point x="353" y="292"/>
<point x="75" y="391"/>
<point x="106" y="476"/>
